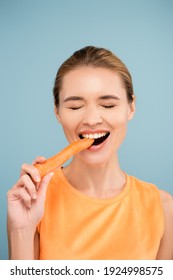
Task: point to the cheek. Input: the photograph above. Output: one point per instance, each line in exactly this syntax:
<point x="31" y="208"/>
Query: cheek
<point x="67" y="124"/>
<point x="68" y="121"/>
<point x="118" y="120"/>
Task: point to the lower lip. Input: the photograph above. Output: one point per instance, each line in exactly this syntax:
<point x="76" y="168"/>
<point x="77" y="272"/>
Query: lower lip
<point x="95" y="148"/>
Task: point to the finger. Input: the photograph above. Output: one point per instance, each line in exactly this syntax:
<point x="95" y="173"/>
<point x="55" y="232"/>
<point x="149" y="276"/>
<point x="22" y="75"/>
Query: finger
<point x="44" y="184"/>
<point x="31" y="170"/>
<point x="39" y="159"/>
<point x="25" y="196"/>
<point x="26" y="181"/>
<point x="20" y="194"/>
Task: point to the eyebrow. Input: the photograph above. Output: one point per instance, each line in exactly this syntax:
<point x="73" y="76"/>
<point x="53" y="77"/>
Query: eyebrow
<point x="103" y="97"/>
<point x="71" y="98"/>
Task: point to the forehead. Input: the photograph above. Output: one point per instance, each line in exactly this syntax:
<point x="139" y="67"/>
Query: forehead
<point x="87" y="80"/>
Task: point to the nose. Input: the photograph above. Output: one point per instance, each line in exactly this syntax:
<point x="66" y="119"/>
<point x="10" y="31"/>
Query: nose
<point x="92" y="116"/>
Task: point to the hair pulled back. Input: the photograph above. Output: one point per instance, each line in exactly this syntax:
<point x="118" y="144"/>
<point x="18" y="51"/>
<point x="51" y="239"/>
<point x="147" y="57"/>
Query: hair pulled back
<point x="93" y="57"/>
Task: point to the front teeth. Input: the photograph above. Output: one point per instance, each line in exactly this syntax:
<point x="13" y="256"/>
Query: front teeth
<point x="94" y="135"/>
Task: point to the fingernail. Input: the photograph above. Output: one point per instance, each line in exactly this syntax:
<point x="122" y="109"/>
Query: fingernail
<point x="34" y="196"/>
<point x="37" y="179"/>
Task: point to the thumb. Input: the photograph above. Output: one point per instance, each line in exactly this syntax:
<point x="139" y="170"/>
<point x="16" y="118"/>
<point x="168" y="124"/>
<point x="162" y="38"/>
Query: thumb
<point x="44" y="184"/>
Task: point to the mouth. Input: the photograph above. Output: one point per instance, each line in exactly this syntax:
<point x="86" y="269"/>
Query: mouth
<point x="98" y="137"/>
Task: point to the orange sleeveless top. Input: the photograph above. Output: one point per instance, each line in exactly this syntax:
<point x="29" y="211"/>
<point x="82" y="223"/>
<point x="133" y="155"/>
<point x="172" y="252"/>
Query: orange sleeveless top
<point x="128" y="226"/>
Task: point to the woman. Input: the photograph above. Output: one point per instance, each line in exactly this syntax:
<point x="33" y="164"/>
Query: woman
<point x="90" y="209"/>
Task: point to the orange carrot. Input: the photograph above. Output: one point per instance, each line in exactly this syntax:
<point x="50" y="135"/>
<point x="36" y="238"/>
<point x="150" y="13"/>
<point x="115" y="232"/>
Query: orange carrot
<point x="57" y="160"/>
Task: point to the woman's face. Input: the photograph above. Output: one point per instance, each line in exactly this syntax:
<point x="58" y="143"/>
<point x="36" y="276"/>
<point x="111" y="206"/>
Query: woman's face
<point x="93" y="104"/>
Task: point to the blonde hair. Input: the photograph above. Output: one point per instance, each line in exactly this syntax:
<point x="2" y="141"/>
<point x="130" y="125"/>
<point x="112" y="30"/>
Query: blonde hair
<point x="95" y="57"/>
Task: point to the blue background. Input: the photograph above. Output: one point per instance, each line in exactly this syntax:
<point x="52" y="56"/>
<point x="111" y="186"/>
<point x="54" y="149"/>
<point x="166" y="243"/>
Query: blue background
<point x="37" y="36"/>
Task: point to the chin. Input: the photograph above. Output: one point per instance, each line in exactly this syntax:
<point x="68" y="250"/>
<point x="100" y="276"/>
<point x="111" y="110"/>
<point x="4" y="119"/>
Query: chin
<point x="96" y="160"/>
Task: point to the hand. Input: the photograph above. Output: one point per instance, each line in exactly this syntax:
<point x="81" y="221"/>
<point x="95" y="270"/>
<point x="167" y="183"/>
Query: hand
<point x="26" y="198"/>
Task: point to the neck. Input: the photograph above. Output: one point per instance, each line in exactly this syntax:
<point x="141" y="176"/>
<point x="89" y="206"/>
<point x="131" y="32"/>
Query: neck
<point x="102" y="181"/>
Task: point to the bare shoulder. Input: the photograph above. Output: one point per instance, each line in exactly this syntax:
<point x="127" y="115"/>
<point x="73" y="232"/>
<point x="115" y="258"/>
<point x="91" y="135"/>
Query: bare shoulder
<point x="167" y="202"/>
<point x="166" y="246"/>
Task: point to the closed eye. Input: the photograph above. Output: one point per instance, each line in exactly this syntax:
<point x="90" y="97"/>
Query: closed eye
<point x="104" y="106"/>
<point x="108" y="106"/>
<point x="74" y="108"/>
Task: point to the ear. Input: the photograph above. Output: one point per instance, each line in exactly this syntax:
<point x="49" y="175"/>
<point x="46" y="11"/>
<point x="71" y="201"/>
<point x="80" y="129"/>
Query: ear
<point x="56" y="111"/>
<point x="132" y="108"/>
